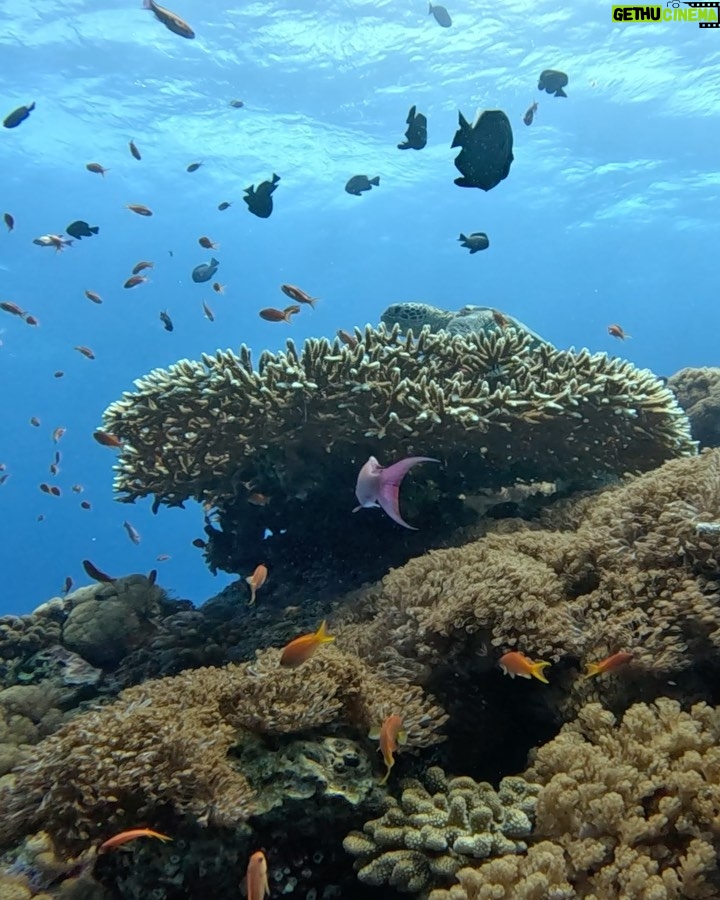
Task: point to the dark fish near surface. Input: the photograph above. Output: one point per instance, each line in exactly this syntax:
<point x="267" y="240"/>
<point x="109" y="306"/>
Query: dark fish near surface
<point x="259" y="198"/>
<point x="237" y="104"/>
<point x="134" y="150"/>
<point x="166" y="320"/>
<point x="530" y="113"/>
<point x="416" y="134"/>
<point x="360" y="183"/>
<point x="95" y="573"/>
<point x="139" y="208"/>
<point x="205" y="271"/>
<point x="486" y="154"/>
<point x="552" y="81"/>
<point x="224" y="205"/>
<point x="478" y="240"/>
<point x="193" y="167"/>
<point x="96" y="169"/>
<point x="9" y="221"/>
<point x="18" y="115"/>
<point x="80" y="229"/>
<point x="170" y="20"/>
<point x="442" y="16"/>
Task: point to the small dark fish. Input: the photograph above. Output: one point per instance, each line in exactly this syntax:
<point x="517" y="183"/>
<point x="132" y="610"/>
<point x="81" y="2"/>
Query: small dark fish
<point x="77" y="489"/>
<point x="135" y="280"/>
<point x="259" y="198"/>
<point x="218" y="288"/>
<point x="85" y="351"/>
<point x="360" y="183"/>
<point x="67" y="587"/>
<point x="97" y="169"/>
<point x="167" y="321"/>
<point x="12" y="308"/>
<point x="54" y="490"/>
<point x="237" y="104"/>
<point x="278" y="315"/>
<point x="205" y="271"/>
<point x="85" y="504"/>
<point x="416" y="134"/>
<point x="152" y="576"/>
<point x="298" y="294"/>
<point x="139" y="209"/>
<point x="95" y="573"/>
<point x="530" y="113"/>
<point x="200" y="543"/>
<point x="4" y="477"/>
<point x="18" y="115"/>
<point x="209" y="314"/>
<point x="58" y="374"/>
<point x="91" y="295"/>
<point x="170" y="20"/>
<point x="9" y="221"/>
<point x="553" y="81"/>
<point x="207" y="243"/>
<point x="134" y="150"/>
<point x="45" y="488"/>
<point x="347" y="338"/>
<point x="163" y="557"/>
<point x="35" y="421"/>
<point x="224" y="205"/>
<point x="193" y="167"/>
<point x="475" y="241"/>
<point x="107" y="439"/>
<point x="80" y="229"/>
<point x="141" y="266"/>
<point x="132" y="533"/>
<point x="442" y="16"/>
<point x="58" y="433"/>
<point x="30" y="320"/>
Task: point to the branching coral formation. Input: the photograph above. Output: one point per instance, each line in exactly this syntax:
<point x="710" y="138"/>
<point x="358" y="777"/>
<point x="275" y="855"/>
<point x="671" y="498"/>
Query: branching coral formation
<point x="435" y="828"/>
<point x="162" y="748"/>
<point x="492" y="407"/>
<point x="635" y="568"/>
<point x="698" y="392"/>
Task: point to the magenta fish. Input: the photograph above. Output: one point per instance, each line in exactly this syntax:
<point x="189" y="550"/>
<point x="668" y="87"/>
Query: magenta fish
<point x="378" y="486"/>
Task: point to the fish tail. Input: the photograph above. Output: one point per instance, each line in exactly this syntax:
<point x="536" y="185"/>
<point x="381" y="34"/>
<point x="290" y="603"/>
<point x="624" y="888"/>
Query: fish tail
<point x="537" y="671"/>
<point x="385" y="777"/>
<point x="94" y="228"/>
<point x="592" y="669"/>
<point x="275" y="178"/>
<point x="31" y="107"/>
<point x="322" y="635"/>
<point x="375" y="180"/>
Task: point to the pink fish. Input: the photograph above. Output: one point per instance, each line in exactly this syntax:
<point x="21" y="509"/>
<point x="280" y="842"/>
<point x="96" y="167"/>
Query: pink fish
<point x="378" y="486"/>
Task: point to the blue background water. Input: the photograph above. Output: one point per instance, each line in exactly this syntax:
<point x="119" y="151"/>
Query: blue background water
<point x="609" y="213"/>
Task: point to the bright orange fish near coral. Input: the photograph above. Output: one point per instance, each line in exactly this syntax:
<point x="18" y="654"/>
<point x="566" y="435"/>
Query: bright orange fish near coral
<point x="256" y="879"/>
<point x="617" y="331"/>
<point x="133" y="834"/>
<point x="390" y="734"/>
<point x="516" y="663"/>
<point x="302" y="648"/>
<point x="256" y="581"/>
<point x="610" y="664"/>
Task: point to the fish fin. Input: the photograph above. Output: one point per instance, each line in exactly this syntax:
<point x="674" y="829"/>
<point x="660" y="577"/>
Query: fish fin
<point x="560" y="93"/>
<point x="95" y="228"/>
<point x="374" y="733"/>
<point x="411" y="115"/>
<point x="385" y="777"/>
<point x="462" y="237"/>
<point x="275" y="178"/>
<point x="322" y="634"/>
<point x="375" y="180"/>
<point x="389" y="487"/>
<point x="537" y="671"/>
<point x="592" y="669"/>
<point x="462" y="131"/>
<point x="402" y="738"/>
<point x="31" y="107"/>
<point x="214" y="262"/>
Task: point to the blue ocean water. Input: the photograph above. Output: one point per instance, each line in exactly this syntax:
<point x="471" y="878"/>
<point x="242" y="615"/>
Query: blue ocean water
<point x="609" y="213"/>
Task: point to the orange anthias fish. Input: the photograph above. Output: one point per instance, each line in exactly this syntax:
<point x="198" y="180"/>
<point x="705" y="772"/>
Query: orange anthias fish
<point x="207" y="243"/>
<point x="107" y="439"/>
<point x="256" y="581"/>
<point x="124" y="837"/>
<point x="303" y="647"/>
<point x="139" y="209"/>
<point x="530" y="113"/>
<point x="516" y="663"/>
<point x="92" y="295"/>
<point x="298" y="295"/>
<point x="135" y="280"/>
<point x="256" y="879"/>
<point x="617" y="331"/>
<point x="143" y="264"/>
<point x="608" y="665"/>
<point x="97" y="169"/>
<point x="170" y="20"/>
<point x="86" y="351"/>
<point x="348" y="339"/>
<point x="278" y="315"/>
<point x="390" y="734"/>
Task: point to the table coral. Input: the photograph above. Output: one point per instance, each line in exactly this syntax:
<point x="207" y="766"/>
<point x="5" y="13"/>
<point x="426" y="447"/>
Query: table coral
<point x="490" y="405"/>
<point x="435" y="828"/>
<point x="162" y="750"/>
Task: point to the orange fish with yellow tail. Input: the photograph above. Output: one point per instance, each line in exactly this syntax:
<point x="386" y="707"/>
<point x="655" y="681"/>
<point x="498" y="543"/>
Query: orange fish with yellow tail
<point x="133" y="834"/>
<point x="610" y="664"/>
<point x="302" y="648"/>
<point x="390" y="734"/>
<point x="256" y="581"/>
<point x="256" y="879"/>
<point x="516" y="663"/>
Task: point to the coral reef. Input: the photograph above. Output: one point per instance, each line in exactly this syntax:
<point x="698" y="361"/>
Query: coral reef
<point x="435" y="828"/>
<point x="493" y="409"/>
<point x="698" y="392"/>
<point x="162" y="750"/>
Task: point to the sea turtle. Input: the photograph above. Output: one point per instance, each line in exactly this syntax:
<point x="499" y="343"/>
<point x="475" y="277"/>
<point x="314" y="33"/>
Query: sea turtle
<point x="467" y="320"/>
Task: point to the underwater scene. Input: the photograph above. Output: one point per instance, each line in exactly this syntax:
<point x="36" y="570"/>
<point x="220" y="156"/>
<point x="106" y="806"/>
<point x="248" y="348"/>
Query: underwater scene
<point x="359" y="450"/>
